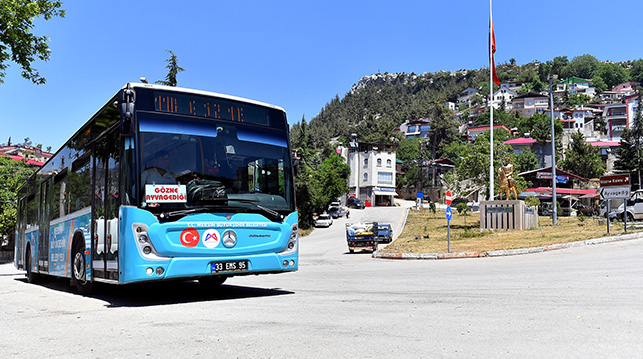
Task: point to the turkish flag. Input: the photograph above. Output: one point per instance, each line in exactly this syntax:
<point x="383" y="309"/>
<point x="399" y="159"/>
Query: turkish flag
<point x="492" y="50"/>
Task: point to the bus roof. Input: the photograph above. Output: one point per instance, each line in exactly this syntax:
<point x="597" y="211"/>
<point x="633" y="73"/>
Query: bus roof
<point x="200" y="92"/>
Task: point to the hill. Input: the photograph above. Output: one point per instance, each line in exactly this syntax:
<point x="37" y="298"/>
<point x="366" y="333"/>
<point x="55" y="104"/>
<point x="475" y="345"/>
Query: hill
<point x="378" y="104"/>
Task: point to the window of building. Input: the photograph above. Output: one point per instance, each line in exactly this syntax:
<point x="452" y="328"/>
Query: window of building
<point x="365" y="176"/>
<point x="366" y="162"/>
<point x="379" y="162"/>
<point x="388" y="163"/>
<point x="385" y="177"/>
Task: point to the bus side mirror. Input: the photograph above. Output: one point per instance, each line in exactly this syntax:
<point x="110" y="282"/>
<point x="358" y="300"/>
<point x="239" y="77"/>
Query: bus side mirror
<point x="295" y="165"/>
<point x="126" y="99"/>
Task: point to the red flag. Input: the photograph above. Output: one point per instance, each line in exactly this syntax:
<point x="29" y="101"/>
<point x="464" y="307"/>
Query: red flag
<point x="492" y="50"/>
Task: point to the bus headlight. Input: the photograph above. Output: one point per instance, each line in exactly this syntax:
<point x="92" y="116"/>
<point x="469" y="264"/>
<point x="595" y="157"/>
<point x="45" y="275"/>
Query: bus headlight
<point x="291" y="247"/>
<point x="144" y="244"/>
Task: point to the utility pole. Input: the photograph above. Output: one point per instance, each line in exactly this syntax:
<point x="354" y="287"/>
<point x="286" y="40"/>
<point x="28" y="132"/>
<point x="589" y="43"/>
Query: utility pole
<point x="554" y="203"/>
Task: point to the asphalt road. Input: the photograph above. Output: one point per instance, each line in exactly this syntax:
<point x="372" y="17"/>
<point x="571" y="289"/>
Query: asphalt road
<point x="581" y="302"/>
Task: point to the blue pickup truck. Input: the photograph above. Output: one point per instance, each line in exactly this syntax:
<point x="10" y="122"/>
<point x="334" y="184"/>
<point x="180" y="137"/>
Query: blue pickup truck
<point x="384" y="233"/>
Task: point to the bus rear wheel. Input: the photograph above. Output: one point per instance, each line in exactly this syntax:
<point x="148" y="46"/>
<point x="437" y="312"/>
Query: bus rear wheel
<point x="79" y="273"/>
<point x="31" y="276"/>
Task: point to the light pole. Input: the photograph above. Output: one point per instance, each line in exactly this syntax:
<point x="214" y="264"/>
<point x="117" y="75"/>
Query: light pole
<point x="355" y="147"/>
<point x="554" y="216"/>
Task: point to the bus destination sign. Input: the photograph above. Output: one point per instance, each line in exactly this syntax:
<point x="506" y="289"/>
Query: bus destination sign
<point x="211" y="107"/>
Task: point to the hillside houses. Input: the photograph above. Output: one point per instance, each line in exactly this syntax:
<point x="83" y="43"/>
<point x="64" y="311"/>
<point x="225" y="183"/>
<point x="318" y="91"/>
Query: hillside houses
<point x="601" y="123"/>
<point x="30" y="154"/>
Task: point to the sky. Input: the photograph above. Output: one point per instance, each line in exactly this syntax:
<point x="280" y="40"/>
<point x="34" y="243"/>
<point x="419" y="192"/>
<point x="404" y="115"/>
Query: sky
<point x="294" y="54"/>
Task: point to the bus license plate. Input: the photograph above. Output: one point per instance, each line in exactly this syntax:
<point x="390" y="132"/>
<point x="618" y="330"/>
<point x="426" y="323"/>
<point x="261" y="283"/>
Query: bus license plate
<point x="230" y="266"/>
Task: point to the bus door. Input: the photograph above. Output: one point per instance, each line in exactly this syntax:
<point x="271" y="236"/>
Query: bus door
<point x="105" y="215"/>
<point x="43" y="232"/>
<point x="21" y="221"/>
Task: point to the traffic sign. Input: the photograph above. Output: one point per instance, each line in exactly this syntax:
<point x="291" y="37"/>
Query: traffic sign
<point x="448" y="198"/>
<point x="615" y="180"/>
<point x="449" y="213"/>
<point x="615" y="192"/>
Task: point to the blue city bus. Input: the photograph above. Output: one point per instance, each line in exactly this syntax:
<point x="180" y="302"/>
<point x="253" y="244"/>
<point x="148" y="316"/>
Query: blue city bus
<point x="163" y="183"/>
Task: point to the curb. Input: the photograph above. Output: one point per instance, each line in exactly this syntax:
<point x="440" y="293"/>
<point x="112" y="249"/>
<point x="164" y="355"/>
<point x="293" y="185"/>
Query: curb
<point x="509" y="252"/>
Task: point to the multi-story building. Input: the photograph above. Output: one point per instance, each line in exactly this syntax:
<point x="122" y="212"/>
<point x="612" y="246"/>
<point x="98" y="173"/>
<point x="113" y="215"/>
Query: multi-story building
<point x="373" y="168"/>
<point x="474" y="132"/>
<point x="505" y="95"/>
<point x="530" y="104"/>
<point x="514" y="86"/>
<point x="416" y="129"/>
<point x="543" y="153"/>
<point x="575" y="86"/>
<point x="464" y="99"/>
<point x="616" y="116"/>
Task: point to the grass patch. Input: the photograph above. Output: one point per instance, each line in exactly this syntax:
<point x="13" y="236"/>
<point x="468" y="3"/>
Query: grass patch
<point x="426" y="232"/>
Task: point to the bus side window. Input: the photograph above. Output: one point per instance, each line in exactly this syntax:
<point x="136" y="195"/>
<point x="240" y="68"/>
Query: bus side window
<point x="79" y="184"/>
<point x="58" y="198"/>
<point x="32" y="211"/>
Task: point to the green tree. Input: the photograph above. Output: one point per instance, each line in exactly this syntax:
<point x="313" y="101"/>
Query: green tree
<point x="553" y="67"/>
<point x="636" y="71"/>
<point x="583" y="66"/>
<point x="462" y="210"/>
<point x="444" y="129"/>
<point x="17" y="42"/>
<point x="333" y="177"/>
<point x="612" y="73"/>
<point x="525" y="161"/>
<point x="173" y="70"/>
<point x="582" y="158"/>
<point x="12" y="175"/>
<point x="539" y="128"/>
<point x="599" y="84"/>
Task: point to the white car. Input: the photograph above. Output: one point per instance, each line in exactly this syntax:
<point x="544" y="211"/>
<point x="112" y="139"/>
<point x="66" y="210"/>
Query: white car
<point x="634" y="207"/>
<point x="323" y="220"/>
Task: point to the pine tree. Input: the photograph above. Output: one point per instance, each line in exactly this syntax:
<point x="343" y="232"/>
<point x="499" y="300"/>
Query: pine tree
<point x="583" y="159"/>
<point x="174" y="69"/>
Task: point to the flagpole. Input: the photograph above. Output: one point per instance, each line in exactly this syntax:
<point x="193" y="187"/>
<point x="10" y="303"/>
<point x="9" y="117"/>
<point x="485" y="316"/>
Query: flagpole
<point x="491" y="171"/>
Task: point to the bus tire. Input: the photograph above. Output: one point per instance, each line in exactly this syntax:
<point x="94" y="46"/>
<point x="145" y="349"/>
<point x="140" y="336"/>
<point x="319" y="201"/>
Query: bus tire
<point x="31" y="276"/>
<point x="78" y="265"/>
<point x="213" y="281"/>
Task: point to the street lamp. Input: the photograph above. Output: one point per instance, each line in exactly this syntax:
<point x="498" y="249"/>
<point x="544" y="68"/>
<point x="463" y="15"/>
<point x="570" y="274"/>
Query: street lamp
<point x="554" y="217"/>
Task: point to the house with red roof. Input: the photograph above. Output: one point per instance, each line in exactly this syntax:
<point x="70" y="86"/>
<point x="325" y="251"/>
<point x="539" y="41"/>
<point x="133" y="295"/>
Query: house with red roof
<point x="30" y="154"/>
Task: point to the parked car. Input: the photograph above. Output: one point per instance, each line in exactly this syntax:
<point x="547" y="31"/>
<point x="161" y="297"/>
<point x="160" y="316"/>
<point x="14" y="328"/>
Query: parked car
<point x="585" y="210"/>
<point x="355" y="203"/>
<point x="337" y="212"/>
<point x="323" y="220"/>
<point x="634" y="207"/>
<point x="603" y="213"/>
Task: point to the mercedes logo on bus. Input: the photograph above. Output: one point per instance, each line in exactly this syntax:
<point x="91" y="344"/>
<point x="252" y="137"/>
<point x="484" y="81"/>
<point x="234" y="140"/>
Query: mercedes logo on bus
<point x="229" y="238"/>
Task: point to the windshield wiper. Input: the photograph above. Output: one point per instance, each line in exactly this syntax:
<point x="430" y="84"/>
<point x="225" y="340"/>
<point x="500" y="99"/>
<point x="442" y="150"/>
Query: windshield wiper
<point x="272" y="212"/>
<point x="276" y="215"/>
<point x="184" y="212"/>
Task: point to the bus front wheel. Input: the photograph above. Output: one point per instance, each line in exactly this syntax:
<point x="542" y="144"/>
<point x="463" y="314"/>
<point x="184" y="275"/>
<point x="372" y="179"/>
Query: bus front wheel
<point x="79" y="274"/>
<point x="212" y="281"/>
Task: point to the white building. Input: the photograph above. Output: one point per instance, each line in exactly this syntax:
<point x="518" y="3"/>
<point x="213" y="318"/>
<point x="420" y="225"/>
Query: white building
<point x="503" y="94"/>
<point x="372" y="175"/>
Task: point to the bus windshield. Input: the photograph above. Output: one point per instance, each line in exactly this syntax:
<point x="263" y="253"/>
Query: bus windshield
<point x="232" y="167"/>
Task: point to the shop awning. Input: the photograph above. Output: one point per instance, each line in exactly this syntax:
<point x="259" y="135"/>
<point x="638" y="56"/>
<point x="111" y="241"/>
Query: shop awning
<point x="385" y="193"/>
